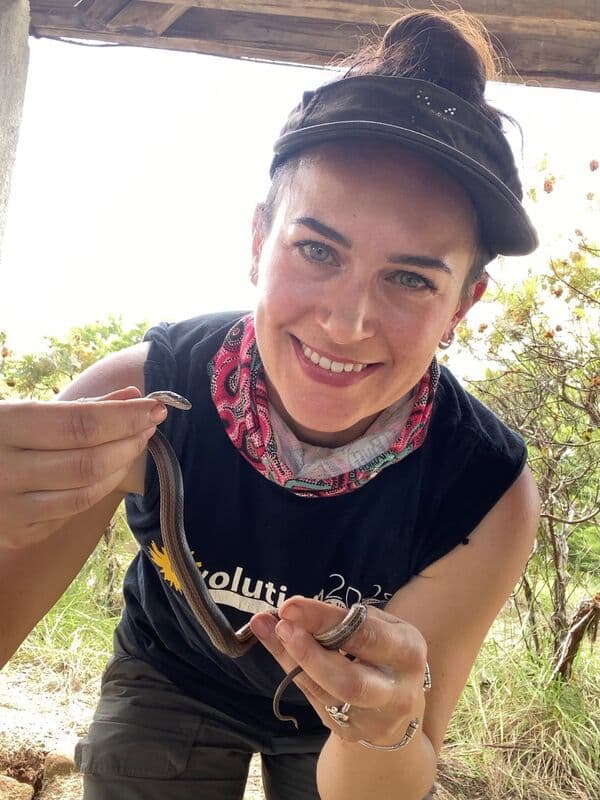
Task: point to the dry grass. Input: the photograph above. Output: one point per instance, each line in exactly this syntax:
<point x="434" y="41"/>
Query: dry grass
<point x="516" y="735"/>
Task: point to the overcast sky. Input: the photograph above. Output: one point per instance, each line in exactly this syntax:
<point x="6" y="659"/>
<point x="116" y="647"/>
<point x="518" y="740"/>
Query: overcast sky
<point x="138" y="171"/>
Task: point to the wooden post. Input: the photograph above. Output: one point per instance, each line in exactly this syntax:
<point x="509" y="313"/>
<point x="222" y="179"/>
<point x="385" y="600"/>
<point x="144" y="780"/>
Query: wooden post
<point x="14" y="59"/>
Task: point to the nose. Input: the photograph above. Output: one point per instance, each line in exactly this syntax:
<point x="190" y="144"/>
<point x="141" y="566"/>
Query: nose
<point x="345" y="312"/>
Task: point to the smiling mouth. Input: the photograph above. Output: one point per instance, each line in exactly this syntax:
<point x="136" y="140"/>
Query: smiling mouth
<point x="328" y="365"/>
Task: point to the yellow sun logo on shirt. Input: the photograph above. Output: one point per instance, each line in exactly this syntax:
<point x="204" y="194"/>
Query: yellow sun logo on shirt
<point x="159" y="556"/>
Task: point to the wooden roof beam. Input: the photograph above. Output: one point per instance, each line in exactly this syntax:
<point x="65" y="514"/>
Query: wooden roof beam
<point x="384" y="11"/>
<point x="145" y="17"/>
<point x="545" y="52"/>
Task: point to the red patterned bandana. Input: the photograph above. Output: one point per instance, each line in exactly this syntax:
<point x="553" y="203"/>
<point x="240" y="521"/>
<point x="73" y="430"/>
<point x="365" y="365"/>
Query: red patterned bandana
<point x="239" y="392"/>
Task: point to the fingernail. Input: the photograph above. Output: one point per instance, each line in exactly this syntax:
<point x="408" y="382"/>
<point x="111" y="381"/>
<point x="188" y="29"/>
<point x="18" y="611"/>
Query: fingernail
<point x="284" y="631"/>
<point x="158" y="413"/>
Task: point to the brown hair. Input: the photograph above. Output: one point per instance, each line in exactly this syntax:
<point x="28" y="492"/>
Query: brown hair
<point x="451" y="49"/>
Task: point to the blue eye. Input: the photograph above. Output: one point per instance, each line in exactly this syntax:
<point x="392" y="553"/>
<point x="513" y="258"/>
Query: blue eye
<point x="412" y="280"/>
<point x="315" y="251"/>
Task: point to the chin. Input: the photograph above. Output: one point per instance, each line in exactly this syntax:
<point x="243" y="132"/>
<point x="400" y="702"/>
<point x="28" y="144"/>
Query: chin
<point x="326" y="421"/>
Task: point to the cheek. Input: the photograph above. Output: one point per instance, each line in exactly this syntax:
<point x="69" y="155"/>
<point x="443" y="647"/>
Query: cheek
<point x="277" y="308"/>
<point x="413" y="326"/>
<point x="283" y="290"/>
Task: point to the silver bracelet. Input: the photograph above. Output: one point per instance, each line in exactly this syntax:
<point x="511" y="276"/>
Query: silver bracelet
<point x="413" y="727"/>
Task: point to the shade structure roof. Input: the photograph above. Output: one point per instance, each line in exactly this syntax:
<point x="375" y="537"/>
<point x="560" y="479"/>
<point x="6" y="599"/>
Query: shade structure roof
<point x="548" y="42"/>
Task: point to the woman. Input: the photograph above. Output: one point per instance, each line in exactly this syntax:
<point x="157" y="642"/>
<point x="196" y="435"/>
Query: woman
<point x="326" y="460"/>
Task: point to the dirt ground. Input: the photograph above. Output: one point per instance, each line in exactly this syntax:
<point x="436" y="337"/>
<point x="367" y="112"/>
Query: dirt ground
<point x="43" y="712"/>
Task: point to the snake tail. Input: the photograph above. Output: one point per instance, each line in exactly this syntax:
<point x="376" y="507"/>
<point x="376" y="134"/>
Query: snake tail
<point x="279" y="693"/>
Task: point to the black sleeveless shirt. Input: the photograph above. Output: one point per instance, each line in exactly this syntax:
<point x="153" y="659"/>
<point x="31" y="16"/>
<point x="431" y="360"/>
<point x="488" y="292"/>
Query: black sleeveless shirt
<point x="257" y="543"/>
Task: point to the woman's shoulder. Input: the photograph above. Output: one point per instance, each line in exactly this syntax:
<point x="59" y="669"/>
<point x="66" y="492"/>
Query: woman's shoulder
<point x="178" y="353"/>
<point x="115" y="371"/>
<point x="471" y="460"/>
<point x="458" y="413"/>
<point x="193" y="332"/>
<point x="165" y="345"/>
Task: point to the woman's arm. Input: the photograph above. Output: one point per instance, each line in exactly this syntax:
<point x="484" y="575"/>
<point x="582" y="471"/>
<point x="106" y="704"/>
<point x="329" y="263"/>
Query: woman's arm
<point x="454" y="602"/>
<point x="65" y="468"/>
<point x="442" y="614"/>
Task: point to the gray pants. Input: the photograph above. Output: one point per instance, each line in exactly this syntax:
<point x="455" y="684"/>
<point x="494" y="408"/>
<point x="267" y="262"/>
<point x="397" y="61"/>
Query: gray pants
<point x="149" y="741"/>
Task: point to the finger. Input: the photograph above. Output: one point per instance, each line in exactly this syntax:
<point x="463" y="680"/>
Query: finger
<point x="337" y="676"/>
<point x="320" y="698"/>
<point x="37" y="507"/>
<point x="128" y="393"/>
<point x="63" y="425"/>
<point x="352" y="731"/>
<point x="382" y="639"/>
<point x="363" y="685"/>
<point x="262" y="626"/>
<point x="51" y="470"/>
<point x="380" y="700"/>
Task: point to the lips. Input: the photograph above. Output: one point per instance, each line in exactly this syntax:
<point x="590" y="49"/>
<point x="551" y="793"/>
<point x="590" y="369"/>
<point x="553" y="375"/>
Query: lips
<point x="327" y="369"/>
<point x="329" y="364"/>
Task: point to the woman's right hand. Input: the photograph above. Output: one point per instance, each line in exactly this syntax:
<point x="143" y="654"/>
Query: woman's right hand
<point x="58" y="459"/>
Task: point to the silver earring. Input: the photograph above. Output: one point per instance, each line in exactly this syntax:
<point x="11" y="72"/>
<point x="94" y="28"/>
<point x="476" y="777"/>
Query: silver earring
<point x="445" y="343"/>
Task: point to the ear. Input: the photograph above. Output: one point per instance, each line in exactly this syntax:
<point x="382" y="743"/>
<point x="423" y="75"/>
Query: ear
<point x="258" y="238"/>
<point x="474" y="295"/>
<point x="478" y="289"/>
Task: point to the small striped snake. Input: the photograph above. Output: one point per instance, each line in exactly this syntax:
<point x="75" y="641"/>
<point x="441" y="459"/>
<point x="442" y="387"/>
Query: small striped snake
<point x="209" y="615"/>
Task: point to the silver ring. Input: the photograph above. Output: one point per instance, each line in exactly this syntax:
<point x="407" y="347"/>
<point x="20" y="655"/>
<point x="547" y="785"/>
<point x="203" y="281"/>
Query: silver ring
<point x="413" y="727"/>
<point x="427" y="678"/>
<point x="339" y="714"/>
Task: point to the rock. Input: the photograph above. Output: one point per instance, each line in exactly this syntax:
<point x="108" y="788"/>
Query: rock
<point x="60" y="782"/>
<point x="10" y="789"/>
<point x="53" y="684"/>
<point x="57" y="764"/>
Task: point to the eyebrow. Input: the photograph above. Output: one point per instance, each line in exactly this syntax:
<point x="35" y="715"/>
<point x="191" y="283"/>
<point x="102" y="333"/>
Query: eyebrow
<point x="324" y="230"/>
<point x="396" y="258"/>
<point x="420" y="261"/>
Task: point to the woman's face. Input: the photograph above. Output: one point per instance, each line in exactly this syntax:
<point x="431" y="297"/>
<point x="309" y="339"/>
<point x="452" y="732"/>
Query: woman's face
<point x="359" y="277"/>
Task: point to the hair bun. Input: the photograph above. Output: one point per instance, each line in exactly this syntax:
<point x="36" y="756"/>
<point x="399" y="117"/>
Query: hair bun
<point x="451" y="49"/>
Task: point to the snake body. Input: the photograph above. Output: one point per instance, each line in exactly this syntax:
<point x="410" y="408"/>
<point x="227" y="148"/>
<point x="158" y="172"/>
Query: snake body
<point x="216" y="625"/>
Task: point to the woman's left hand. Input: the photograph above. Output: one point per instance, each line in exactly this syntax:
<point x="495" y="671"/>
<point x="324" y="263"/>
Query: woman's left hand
<point x="383" y="685"/>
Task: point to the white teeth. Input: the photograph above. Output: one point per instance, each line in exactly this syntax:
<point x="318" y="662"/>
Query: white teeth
<point x="328" y="364"/>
